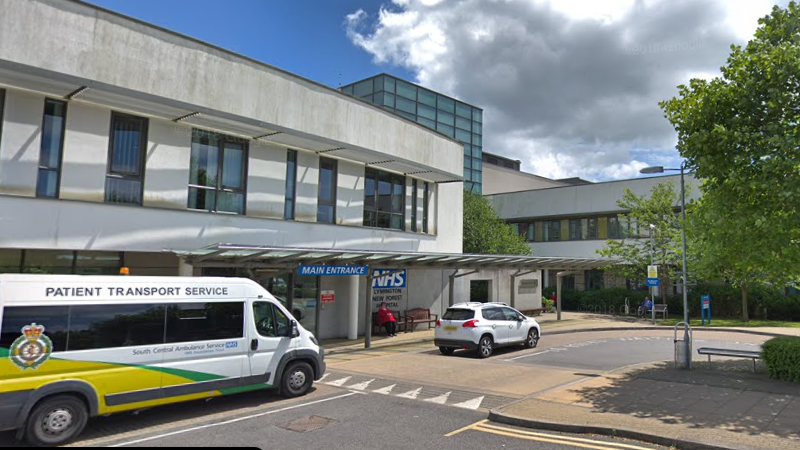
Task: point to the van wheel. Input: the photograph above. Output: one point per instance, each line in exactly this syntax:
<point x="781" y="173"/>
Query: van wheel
<point x="56" y="421"/>
<point x="485" y="346"/>
<point x="447" y="351"/>
<point x="297" y="380"/>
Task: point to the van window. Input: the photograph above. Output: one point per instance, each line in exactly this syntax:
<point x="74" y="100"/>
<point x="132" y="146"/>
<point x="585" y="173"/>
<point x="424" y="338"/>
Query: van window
<point x="270" y="321"/>
<point x="204" y="321"/>
<point x="55" y="320"/>
<point x="96" y="327"/>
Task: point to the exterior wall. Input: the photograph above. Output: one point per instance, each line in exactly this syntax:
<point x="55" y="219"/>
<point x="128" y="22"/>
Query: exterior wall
<point x="350" y="194"/>
<point x="170" y="66"/>
<point x="500" y="289"/>
<point x="21" y="143"/>
<point x="166" y="171"/>
<point x="83" y="173"/>
<point x="498" y="180"/>
<point x="266" y="181"/>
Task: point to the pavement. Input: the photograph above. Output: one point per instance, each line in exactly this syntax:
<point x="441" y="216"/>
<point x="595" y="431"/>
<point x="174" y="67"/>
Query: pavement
<point x="710" y="407"/>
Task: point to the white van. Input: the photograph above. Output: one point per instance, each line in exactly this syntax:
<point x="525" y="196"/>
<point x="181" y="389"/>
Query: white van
<point x="74" y="347"/>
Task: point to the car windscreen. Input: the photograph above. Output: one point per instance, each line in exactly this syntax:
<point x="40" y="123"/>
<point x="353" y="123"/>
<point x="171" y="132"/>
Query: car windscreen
<point x="459" y="314"/>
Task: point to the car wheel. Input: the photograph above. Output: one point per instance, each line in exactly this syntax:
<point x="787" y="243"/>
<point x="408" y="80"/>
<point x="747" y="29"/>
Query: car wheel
<point x="56" y="421"/>
<point x="485" y="346"/>
<point x="533" y="339"/>
<point x="447" y="351"/>
<point x="297" y="380"/>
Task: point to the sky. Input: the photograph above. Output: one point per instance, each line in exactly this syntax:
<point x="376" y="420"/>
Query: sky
<point x="568" y="87"/>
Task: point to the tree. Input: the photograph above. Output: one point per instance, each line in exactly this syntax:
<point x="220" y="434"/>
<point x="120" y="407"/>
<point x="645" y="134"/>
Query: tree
<point x="740" y="134"/>
<point x="485" y="232"/>
<point x="633" y="252"/>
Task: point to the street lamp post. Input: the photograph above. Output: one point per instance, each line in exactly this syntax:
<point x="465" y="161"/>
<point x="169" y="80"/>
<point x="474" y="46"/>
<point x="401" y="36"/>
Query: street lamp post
<point x="686" y="337"/>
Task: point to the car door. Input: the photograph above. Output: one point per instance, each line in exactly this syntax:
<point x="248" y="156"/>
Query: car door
<point x="269" y="330"/>
<point x="515" y="325"/>
<point x="497" y="321"/>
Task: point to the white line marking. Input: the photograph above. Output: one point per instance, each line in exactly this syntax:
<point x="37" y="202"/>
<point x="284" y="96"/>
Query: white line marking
<point x="411" y="394"/>
<point x="471" y="404"/>
<point x="441" y="400"/>
<point x="339" y="383"/>
<point x="240" y="419"/>
<point x="361" y="386"/>
<point x="385" y="391"/>
<point x="323" y="377"/>
<point x="528" y="356"/>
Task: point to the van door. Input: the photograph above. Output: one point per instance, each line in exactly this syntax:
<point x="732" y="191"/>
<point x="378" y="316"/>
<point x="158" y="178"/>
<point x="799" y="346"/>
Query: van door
<point x="269" y="332"/>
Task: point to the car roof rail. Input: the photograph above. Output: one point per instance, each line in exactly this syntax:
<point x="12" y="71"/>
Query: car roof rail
<point x="497" y="303"/>
<point x="467" y="304"/>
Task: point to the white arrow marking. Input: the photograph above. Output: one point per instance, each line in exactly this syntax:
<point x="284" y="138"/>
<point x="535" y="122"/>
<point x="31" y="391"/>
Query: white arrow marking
<point x="411" y="394"/>
<point x="361" y="386"/>
<point x="385" y="391"/>
<point x="441" y="400"/>
<point x="323" y="377"/>
<point x="470" y="404"/>
<point x="339" y="383"/>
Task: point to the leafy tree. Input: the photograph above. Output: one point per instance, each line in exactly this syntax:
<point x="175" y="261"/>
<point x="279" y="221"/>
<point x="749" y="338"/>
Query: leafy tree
<point x="740" y="133"/>
<point x="634" y="251"/>
<point x="486" y="233"/>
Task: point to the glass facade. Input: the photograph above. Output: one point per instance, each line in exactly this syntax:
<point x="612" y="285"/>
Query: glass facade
<point x="438" y="112"/>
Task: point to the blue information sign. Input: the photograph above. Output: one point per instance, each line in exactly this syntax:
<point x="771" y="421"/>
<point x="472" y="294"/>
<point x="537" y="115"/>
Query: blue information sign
<point x="332" y="270"/>
<point x="652" y="282"/>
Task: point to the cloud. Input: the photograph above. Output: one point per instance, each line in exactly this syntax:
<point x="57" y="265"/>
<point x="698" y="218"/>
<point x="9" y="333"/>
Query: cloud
<point x="571" y="88"/>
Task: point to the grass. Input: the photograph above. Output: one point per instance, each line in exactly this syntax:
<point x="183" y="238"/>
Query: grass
<point x="695" y="322"/>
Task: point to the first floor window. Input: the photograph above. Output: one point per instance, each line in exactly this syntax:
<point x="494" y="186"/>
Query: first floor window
<point x="218" y="173"/>
<point x="128" y="140"/>
<point x="326" y="195"/>
<point x="384" y="200"/>
<point x="52" y="146"/>
<point x="552" y="230"/>
<point x="426" y="197"/>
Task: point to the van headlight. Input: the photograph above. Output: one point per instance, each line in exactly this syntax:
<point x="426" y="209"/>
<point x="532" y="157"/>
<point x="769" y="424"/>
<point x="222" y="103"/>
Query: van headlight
<point x="314" y="340"/>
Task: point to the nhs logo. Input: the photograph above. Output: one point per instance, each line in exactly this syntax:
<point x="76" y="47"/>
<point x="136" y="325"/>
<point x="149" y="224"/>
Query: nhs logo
<point x="392" y="280"/>
<point x="231" y="344"/>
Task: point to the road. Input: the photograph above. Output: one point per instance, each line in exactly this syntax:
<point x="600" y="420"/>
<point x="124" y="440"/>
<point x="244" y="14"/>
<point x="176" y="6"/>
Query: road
<point x="416" y="399"/>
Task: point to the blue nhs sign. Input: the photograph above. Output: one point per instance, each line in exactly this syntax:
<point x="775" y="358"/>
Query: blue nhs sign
<point x="394" y="279"/>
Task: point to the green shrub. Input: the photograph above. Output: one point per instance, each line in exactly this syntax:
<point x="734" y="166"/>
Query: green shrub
<point x="782" y="356"/>
<point x="547" y="304"/>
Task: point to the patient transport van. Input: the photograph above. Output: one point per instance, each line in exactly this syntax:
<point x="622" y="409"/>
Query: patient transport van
<point x="74" y="347"/>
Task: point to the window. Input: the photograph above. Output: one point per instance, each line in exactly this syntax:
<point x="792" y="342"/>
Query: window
<point x="270" y="321"/>
<point x="446" y="118"/>
<point x="363" y="88"/>
<point x="326" y="195"/>
<point x="427" y="97"/>
<point x="218" y="172"/>
<point x="55" y="319"/>
<point x="124" y="182"/>
<point x="406" y="90"/>
<point x="458" y="314"/>
<point x="531" y="234"/>
<point x="97" y="327"/>
<point x="593" y="279"/>
<point x="204" y="321"/>
<point x="426" y="112"/>
<point x="52" y="147"/>
<point x="463" y="110"/>
<point x="291" y="184"/>
<point x="406" y="105"/>
<point x="463" y="124"/>
<point x="591" y="228"/>
<point x="614" y="228"/>
<point x="511" y="315"/>
<point x="446" y="104"/>
<point x="477" y="115"/>
<point x="425" y="207"/>
<point x="575" y="230"/>
<point x="551" y="230"/>
<point x="2" y="110"/>
<point x="388" y="84"/>
<point x="384" y="200"/>
<point x="414" y="206"/>
<point x="493" y="314"/>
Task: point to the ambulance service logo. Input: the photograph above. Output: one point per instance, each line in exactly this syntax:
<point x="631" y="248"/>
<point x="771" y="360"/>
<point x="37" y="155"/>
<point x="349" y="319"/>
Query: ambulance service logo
<point x="32" y="349"/>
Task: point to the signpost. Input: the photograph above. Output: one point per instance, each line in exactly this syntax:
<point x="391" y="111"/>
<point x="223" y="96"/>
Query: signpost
<point x="652" y="281"/>
<point x="706" y="302"/>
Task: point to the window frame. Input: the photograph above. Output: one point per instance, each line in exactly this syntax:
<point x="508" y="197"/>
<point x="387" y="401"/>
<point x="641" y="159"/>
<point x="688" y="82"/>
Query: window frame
<point x="394" y="179"/>
<point x="291" y="156"/>
<point x="334" y="185"/>
<point x="60" y="163"/>
<point x="2" y="112"/>
<point x="140" y="177"/>
<point x="426" y="197"/>
<point x="414" y="202"/>
<point x="220" y="187"/>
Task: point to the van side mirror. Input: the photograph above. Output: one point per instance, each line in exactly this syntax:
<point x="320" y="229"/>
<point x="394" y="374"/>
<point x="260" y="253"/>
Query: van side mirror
<point x="294" y="331"/>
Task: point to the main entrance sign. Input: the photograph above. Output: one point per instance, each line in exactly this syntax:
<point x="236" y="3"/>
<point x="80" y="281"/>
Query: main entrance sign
<point x="332" y="270"/>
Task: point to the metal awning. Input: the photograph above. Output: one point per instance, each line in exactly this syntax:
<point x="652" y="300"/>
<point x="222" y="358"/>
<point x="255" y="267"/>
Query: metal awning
<point x="80" y="89"/>
<point x="265" y="257"/>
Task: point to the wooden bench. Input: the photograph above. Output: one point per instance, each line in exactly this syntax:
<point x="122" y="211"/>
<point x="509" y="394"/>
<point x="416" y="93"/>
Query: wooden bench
<point x="731" y="353"/>
<point x="417" y="316"/>
<point x="402" y="322"/>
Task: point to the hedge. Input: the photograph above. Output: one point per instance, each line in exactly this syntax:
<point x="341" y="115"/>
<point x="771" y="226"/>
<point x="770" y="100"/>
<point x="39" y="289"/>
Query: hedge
<point x="782" y="356"/>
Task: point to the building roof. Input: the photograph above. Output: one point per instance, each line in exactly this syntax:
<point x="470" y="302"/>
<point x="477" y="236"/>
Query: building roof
<point x="266" y="257"/>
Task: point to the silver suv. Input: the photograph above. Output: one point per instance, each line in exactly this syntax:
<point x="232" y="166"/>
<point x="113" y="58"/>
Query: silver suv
<point x="482" y="327"/>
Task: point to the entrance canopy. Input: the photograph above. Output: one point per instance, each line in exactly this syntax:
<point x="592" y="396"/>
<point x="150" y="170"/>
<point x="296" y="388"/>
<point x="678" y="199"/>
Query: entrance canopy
<point x="263" y="257"/>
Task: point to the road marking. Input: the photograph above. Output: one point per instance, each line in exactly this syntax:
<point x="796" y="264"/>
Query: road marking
<point x="466" y="428"/>
<point x="553" y="438"/>
<point x="473" y="404"/>
<point x="340" y="382"/>
<point x="323" y="377"/>
<point x="385" y="391"/>
<point x="228" y="422"/>
<point x="441" y="400"/>
<point x="527" y="356"/>
<point x="361" y="386"/>
<point x="411" y="394"/>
